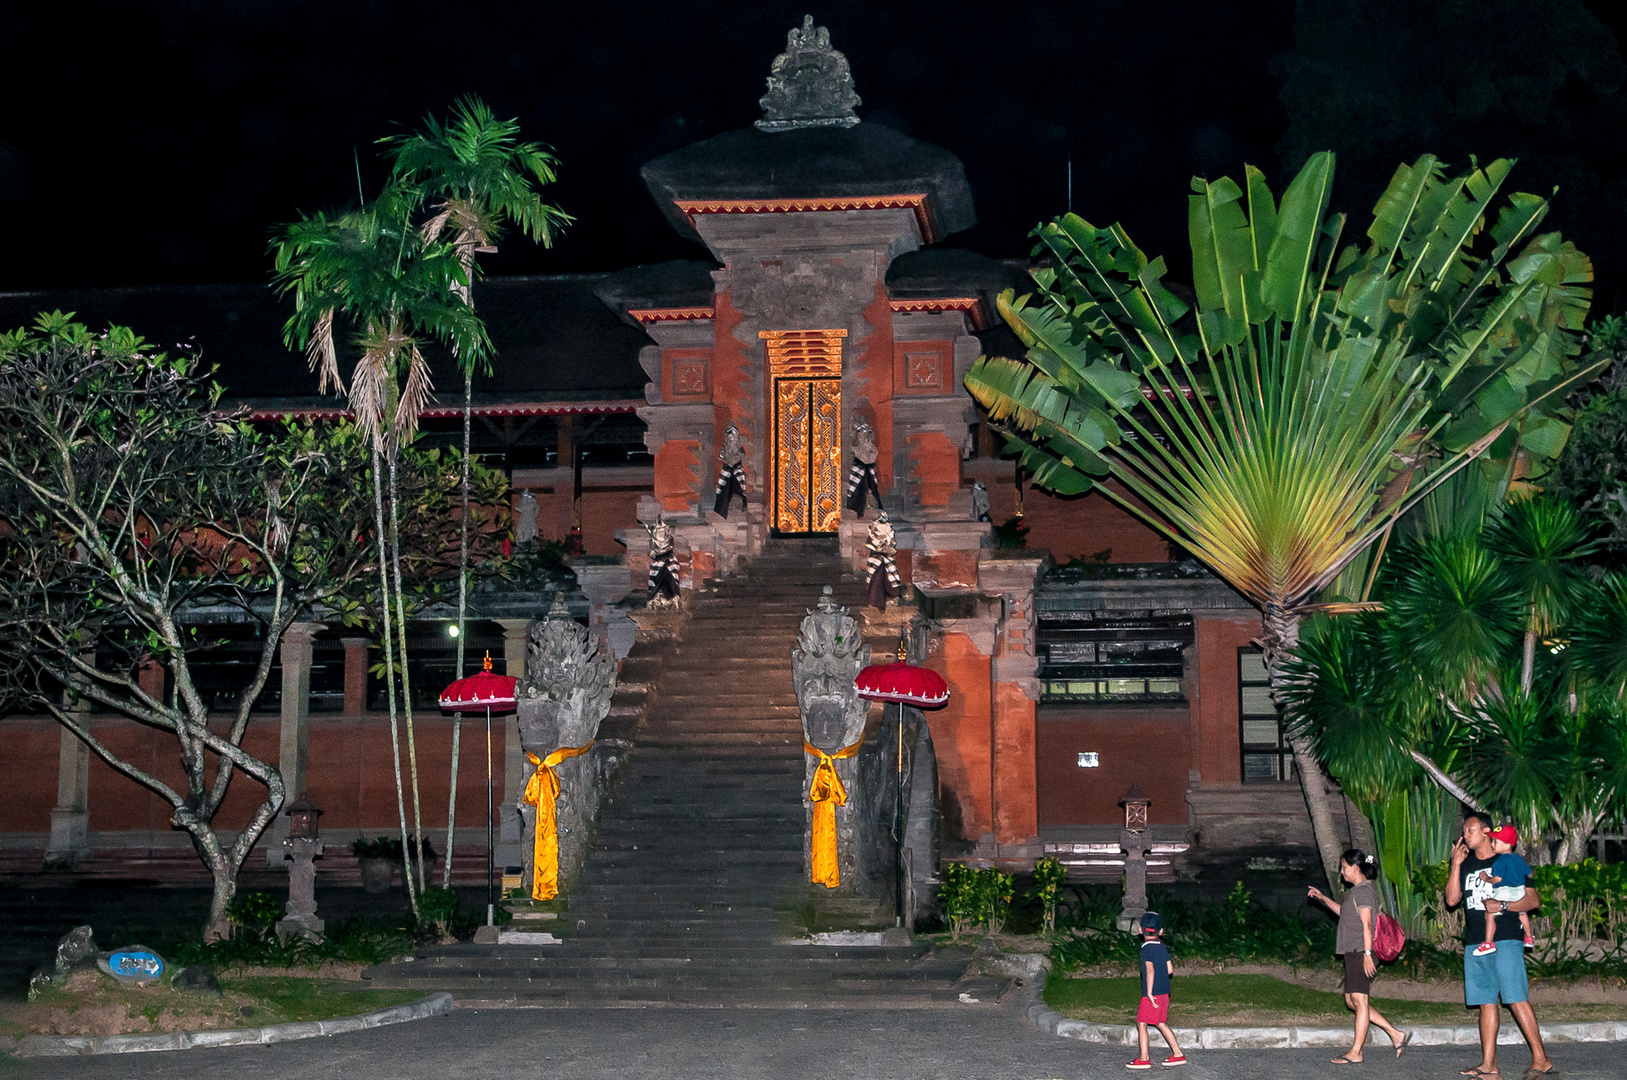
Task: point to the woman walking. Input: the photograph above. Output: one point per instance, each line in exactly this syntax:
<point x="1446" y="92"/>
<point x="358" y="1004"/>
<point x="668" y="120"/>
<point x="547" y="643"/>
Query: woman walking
<point x="1357" y="916"/>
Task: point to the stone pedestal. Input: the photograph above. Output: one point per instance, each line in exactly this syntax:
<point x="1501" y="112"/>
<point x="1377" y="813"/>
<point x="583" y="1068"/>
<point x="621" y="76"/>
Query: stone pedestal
<point x="70" y="818"/>
<point x="1135" y="878"/>
<point x="605" y="583"/>
<point x="295" y="655"/>
<point x="300" y="917"/>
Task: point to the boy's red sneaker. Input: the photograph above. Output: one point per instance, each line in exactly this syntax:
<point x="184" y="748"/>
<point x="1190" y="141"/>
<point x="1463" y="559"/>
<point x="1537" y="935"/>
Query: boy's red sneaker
<point x="1178" y="1059"/>
<point x="1140" y="1063"/>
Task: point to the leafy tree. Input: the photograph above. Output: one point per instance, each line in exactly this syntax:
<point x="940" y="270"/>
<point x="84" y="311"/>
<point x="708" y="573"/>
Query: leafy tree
<point x="1439" y="697"/>
<point x="397" y="288"/>
<point x="128" y="502"/>
<point x="477" y="177"/>
<point x="1278" y="429"/>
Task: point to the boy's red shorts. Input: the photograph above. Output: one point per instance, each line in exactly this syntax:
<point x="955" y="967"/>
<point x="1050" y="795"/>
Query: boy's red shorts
<point x="1153" y="1010"/>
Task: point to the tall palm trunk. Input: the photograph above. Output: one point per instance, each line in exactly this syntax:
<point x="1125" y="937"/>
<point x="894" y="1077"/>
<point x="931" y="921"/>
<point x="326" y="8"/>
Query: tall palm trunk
<point x="389" y="674"/>
<point x="1277" y="642"/>
<point x="406" y="683"/>
<point x="463" y="608"/>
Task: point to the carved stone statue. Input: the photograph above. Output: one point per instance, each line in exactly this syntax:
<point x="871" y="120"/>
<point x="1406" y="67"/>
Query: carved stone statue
<point x="525" y="519"/>
<point x="663" y="566"/>
<point x="561" y="700"/>
<point x="880" y="564"/>
<point x="980" y="501"/>
<point x="830" y="655"/>
<point x="809" y="85"/>
<point x="731" y="479"/>
<point x="861" y="478"/>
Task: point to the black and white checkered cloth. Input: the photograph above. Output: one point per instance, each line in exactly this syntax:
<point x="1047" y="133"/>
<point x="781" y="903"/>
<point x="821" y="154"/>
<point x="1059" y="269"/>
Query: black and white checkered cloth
<point x="731" y="482"/>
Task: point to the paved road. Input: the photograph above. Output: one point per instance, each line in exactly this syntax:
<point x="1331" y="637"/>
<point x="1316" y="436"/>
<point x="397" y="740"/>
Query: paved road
<point x="979" y="1043"/>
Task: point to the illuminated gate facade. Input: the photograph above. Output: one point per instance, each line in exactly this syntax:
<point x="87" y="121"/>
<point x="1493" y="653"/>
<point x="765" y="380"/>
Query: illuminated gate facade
<point x="805" y="375"/>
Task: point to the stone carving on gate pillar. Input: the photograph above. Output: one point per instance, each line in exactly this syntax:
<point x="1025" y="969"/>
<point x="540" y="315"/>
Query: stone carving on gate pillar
<point x="664" y="568"/>
<point x="731" y="478"/>
<point x="861" y="477"/>
<point x="809" y="85"/>
<point x="830" y="655"/>
<point x="562" y="698"/>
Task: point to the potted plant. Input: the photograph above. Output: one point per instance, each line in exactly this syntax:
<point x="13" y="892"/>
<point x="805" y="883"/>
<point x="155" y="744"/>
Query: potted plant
<point x="379" y="856"/>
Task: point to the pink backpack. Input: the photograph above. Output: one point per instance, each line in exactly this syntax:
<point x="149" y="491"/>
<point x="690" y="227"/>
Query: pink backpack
<point x="1388" y="938"/>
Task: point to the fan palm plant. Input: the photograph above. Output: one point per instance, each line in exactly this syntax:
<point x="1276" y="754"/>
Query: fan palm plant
<point x="1541" y="543"/>
<point x="397" y="290"/>
<point x="478" y="178"/>
<point x="1280" y="428"/>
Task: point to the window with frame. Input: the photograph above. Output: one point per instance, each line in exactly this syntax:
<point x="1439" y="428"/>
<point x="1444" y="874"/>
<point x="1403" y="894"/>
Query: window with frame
<point x="1265" y="751"/>
<point x="1111" y="657"/>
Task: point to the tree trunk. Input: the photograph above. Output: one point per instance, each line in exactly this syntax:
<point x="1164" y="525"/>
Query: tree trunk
<point x="1278" y="642"/>
<point x="406" y="683"/>
<point x="389" y="675"/>
<point x="219" y="926"/>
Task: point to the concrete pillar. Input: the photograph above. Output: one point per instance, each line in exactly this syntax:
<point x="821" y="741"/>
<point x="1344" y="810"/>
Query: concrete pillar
<point x="70" y="818"/>
<point x="1015" y="693"/>
<point x="604" y="584"/>
<point x="515" y="769"/>
<point x="295" y="656"/>
<point x="355" y="674"/>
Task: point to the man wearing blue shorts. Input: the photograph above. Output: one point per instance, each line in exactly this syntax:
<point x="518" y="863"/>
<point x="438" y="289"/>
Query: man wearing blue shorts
<point x="1499" y="977"/>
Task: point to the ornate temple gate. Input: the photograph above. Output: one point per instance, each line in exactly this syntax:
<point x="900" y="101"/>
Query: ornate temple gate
<point x="805" y="378"/>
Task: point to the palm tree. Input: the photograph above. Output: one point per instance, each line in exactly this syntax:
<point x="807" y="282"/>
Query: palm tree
<point x="370" y="268"/>
<point x="480" y="178"/>
<point x="1279" y="429"/>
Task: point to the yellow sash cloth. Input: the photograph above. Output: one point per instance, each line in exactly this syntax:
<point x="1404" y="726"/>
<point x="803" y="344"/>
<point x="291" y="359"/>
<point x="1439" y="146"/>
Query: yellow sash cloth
<point x="541" y="791"/>
<point x="827" y="793"/>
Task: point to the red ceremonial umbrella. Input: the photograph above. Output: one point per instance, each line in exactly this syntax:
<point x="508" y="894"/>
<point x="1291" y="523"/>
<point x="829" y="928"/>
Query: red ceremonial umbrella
<point x="908" y="685"/>
<point x="486" y="691"/>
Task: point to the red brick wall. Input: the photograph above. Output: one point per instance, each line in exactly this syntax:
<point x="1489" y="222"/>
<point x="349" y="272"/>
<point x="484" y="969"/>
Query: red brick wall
<point x="1016" y="805"/>
<point x="1216" y="747"/>
<point x="960" y="734"/>
<point x="1136" y="746"/>
<point x="731" y="387"/>
<point x="935" y="462"/>
<point x="874" y="374"/>
<point x="349" y="773"/>
<point x="677" y="473"/>
<point x="1076" y="526"/>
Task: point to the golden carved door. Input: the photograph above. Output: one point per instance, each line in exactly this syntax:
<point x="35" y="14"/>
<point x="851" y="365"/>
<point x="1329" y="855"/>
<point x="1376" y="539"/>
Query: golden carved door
<point x="807" y="451"/>
<point x="805" y="397"/>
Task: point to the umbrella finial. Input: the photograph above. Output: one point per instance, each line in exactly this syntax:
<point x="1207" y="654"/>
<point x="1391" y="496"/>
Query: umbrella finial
<point x="487" y="665"/>
<point x="903" y="649"/>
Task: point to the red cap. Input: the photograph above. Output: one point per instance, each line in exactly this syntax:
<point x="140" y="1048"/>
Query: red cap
<point x="1506" y="834"/>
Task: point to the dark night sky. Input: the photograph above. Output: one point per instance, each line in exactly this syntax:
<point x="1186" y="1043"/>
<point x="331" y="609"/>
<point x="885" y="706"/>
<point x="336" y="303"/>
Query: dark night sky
<point x="161" y="142"/>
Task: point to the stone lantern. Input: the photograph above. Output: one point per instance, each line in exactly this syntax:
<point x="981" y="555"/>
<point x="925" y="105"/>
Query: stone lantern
<point x="1134" y="839"/>
<point x="303" y="849"/>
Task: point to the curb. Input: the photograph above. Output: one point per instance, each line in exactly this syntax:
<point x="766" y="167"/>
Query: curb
<point x="1052" y="1022"/>
<point x="437" y="1004"/>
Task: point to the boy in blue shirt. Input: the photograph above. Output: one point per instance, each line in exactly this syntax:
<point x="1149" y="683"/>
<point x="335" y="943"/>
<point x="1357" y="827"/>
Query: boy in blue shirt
<point x="1506" y="878"/>
<point x="1155" y="969"/>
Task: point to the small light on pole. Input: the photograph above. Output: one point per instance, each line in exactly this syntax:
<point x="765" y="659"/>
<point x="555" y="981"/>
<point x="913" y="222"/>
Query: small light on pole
<point x="1135" y="809"/>
<point x="452" y="630"/>
<point x="302" y="815"/>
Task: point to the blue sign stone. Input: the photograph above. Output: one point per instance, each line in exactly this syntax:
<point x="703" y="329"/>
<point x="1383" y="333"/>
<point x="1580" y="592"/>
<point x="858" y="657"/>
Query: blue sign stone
<point x="133" y="965"/>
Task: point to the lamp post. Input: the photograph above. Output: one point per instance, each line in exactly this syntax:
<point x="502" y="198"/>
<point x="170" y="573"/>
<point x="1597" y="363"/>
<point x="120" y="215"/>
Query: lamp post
<point x="1134" y="839"/>
<point x="303" y="849"/>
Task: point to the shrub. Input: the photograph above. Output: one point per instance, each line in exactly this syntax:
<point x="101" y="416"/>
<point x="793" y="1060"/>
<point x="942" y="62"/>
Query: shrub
<point x="971" y="897"/>
<point x="1049" y="877"/>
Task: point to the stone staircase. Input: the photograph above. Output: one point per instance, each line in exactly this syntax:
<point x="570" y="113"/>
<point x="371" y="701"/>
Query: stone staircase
<point x="695" y="880"/>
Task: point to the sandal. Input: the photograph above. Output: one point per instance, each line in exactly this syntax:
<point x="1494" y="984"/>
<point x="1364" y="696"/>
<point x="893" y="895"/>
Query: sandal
<point x="1475" y="1072"/>
<point x="1343" y="1060"/>
<point x="1406" y="1041"/>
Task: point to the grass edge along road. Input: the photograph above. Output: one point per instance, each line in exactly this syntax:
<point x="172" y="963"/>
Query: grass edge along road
<point x="1263" y="1001"/>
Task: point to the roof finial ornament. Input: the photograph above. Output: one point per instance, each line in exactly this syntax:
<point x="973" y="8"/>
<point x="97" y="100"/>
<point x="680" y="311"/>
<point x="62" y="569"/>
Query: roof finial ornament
<point x="809" y="85"/>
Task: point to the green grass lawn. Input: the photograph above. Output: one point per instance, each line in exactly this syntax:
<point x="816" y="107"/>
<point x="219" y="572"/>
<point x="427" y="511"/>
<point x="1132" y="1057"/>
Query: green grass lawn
<point x="281" y="1000"/>
<point x="1260" y="1000"/>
